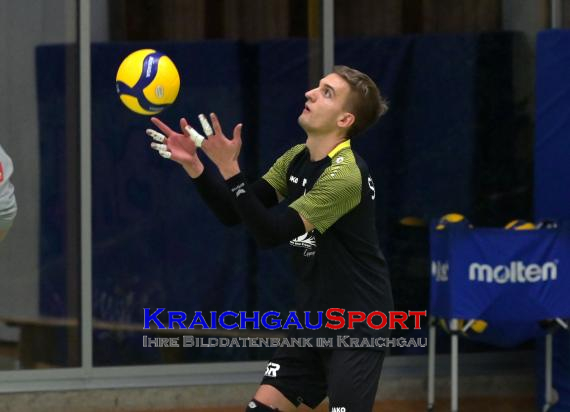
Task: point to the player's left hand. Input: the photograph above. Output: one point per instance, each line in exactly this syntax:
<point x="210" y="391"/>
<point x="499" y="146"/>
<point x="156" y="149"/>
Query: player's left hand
<point x="221" y="150"/>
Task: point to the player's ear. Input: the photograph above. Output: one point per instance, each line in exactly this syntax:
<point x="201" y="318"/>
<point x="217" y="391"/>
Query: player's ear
<point x="346" y="120"/>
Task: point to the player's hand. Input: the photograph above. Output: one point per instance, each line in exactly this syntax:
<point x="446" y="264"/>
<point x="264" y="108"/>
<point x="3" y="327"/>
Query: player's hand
<point x="221" y="150"/>
<point x="176" y="146"/>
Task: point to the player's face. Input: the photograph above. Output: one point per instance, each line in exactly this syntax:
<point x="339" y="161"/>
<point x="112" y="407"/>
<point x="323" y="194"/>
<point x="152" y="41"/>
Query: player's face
<point x="324" y="110"/>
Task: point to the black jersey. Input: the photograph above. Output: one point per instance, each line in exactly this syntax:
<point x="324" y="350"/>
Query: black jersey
<point x="339" y="264"/>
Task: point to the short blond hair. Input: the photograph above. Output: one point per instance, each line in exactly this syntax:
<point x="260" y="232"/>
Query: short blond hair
<point x="364" y="101"/>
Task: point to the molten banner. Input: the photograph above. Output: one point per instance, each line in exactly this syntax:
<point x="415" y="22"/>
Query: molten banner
<point x="500" y="275"/>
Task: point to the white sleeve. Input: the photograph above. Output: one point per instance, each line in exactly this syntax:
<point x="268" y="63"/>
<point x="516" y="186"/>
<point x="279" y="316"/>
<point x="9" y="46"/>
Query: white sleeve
<point x="8" y="206"/>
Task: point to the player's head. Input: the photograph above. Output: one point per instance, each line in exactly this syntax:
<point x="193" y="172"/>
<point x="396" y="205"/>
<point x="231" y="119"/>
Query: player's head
<point x="346" y="101"/>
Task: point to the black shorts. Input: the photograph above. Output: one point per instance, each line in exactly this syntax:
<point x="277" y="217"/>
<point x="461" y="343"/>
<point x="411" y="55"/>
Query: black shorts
<point x="349" y="377"/>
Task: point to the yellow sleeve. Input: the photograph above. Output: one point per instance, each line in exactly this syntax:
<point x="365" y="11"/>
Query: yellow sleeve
<point x="337" y="191"/>
<point x="276" y="176"/>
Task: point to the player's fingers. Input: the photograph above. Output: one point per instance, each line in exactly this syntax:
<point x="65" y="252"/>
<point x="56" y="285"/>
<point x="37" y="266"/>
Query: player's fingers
<point x="158" y="137"/>
<point x="216" y="123"/>
<point x="206" y="146"/>
<point x="165" y="153"/>
<point x="183" y="124"/>
<point x="162" y="126"/>
<point x="185" y="127"/>
<point x="205" y="125"/>
<point x="196" y="137"/>
<point x="159" y="147"/>
<point x="237" y="134"/>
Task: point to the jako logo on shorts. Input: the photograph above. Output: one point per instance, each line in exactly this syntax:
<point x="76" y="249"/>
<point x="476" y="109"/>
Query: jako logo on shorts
<point x="338" y="409"/>
<point x="515" y="272"/>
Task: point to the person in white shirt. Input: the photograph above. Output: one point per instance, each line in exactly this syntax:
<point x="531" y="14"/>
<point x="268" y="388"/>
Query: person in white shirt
<point x="8" y="205"/>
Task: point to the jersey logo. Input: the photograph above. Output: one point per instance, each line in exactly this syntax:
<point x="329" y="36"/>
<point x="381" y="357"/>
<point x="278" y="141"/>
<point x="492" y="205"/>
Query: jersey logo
<point x="336" y="167"/>
<point x="238" y="190"/>
<point x="306" y="241"/>
<point x="295" y="179"/>
<point x="371" y="186"/>
<point x="271" y="370"/>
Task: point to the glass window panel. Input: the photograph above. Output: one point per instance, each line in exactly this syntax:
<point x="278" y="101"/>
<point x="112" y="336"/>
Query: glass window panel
<point x="39" y="258"/>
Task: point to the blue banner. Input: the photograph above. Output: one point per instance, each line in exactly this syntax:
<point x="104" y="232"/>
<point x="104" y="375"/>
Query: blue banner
<point x="551" y="166"/>
<point x="500" y="275"/>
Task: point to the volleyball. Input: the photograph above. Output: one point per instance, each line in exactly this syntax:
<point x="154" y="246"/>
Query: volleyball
<point x="147" y="81"/>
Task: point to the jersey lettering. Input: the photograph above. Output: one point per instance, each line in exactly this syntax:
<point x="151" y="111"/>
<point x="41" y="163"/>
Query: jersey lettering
<point x="371" y="186"/>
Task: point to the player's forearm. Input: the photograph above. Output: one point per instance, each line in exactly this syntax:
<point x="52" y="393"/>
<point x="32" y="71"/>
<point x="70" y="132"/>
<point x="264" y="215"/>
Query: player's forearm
<point x="269" y="228"/>
<point x="194" y="169"/>
<point x="229" y="170"/>
<point x="215" y="193"/>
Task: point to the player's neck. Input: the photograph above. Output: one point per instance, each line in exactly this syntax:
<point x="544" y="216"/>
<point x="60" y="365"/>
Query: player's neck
<point x="320" y="146"/>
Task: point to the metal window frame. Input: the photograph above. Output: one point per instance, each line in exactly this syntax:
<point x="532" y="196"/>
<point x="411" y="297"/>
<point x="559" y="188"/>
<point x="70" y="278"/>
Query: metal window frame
<point x="84" y="33"/>
<point x="125" y="377"/>
<point x="327" y="24"/>
<point x="556" y="13"/>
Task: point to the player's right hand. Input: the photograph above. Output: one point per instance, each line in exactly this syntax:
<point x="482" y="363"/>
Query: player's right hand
<point x="175" y="146"/>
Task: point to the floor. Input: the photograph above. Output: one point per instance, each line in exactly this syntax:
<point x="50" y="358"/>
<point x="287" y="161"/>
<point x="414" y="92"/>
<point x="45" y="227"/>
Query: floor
<point x="490" y="404"/>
